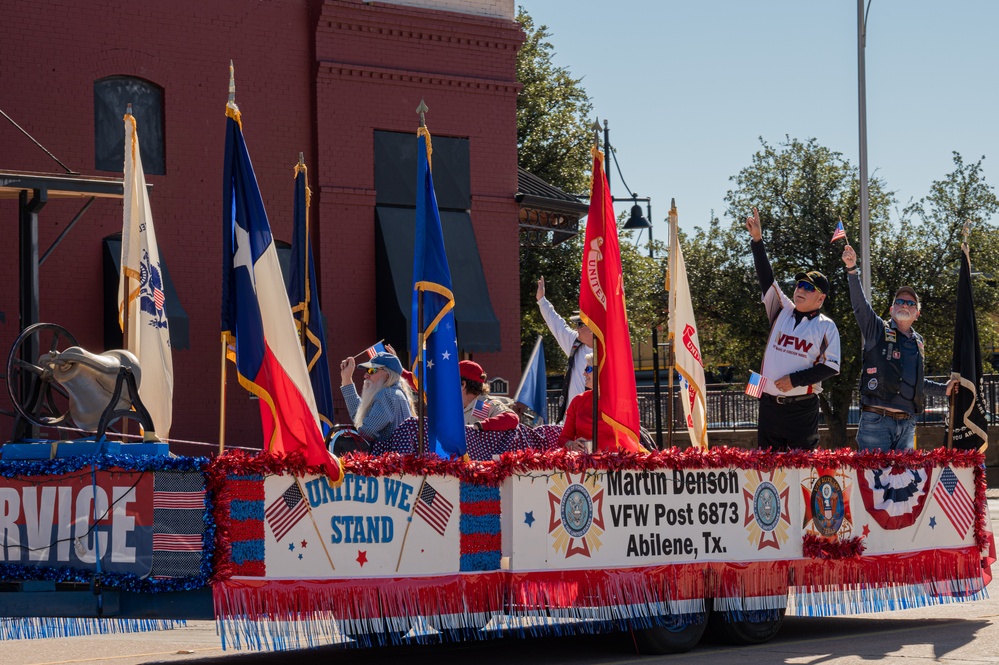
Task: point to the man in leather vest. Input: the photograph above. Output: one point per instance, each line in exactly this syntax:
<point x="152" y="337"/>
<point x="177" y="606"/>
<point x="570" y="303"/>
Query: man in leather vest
<point x="892" y="386"/>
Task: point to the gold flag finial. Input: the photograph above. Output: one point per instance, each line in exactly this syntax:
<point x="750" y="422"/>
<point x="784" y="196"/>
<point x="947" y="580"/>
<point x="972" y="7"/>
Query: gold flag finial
<point x="128" y="109"/>
<point x="966" y="230"/>
<point x="422" y="109"/>
<point x="301" y="159"/>
<point x="232" y="83"/>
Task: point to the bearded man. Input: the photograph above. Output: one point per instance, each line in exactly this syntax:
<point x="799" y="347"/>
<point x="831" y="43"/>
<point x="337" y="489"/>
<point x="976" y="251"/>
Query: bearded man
<point x="385" y="400"/>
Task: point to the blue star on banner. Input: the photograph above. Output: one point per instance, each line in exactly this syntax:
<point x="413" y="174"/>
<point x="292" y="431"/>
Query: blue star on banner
<point x="933" y="522"/>
<point x="529" y="518"/>
<point x="291" y="547"/>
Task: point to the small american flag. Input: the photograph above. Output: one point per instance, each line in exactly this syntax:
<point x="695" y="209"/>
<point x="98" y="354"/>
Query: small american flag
<point x="840" y="232"/>
<point x="756" y="385"/>
<point x="159" y="298"/>
<point x="434" y="508"/>
<point x="374" y="350"/>
<point x="287" y="511"/>
<point x="955" y="501"/>
<point x="480" y="410"/>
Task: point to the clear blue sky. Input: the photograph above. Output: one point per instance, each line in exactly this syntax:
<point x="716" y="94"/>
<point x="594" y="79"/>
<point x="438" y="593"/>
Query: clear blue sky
<point x="688" y="87"/>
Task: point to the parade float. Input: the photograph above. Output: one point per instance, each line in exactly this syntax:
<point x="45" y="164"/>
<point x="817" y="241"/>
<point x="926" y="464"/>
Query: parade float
<point x="509" y="535"/>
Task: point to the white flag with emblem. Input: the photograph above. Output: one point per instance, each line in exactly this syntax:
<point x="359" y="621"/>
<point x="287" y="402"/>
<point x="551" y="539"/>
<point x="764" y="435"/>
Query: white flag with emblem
<point x="142" y="290"/>
<point x="686" y="345"/>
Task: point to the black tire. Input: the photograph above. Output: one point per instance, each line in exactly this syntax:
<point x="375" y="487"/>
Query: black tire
<point x="669" y="639"/>
<point x="744" y="632"/>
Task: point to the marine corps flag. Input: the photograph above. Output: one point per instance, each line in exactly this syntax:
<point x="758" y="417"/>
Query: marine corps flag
<point x="256" y="316"/>
<point x="970" y="428"/>
<point x="686" y="345"/>
<point x="602" y="309"/>
<point x="141" y="292"/>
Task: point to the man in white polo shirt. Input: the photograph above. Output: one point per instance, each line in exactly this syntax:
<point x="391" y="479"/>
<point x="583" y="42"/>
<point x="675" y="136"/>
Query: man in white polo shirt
<point x="802" y="351"/>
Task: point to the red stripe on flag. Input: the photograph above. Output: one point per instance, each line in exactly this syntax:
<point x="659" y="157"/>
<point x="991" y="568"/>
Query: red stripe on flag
<point x="175" y="542"/>
<point x="179" y="500"/>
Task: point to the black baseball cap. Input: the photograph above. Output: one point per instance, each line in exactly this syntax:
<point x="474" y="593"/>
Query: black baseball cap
<point x="815" y="278"/>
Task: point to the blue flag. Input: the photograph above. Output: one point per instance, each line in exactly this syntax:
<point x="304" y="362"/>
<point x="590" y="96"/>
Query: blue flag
<point x="305" y="302"/>
<point x="439" y="357"/>
<point x="533" y="391"/>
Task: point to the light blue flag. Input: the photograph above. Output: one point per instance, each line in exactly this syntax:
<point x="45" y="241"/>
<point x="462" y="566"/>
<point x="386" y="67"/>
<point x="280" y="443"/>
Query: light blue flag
<point x="533" y="391"/>
<point x="431" y="276"/>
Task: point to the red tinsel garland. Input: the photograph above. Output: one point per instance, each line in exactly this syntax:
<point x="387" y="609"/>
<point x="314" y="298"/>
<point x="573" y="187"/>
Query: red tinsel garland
<point x="816" y="547"/>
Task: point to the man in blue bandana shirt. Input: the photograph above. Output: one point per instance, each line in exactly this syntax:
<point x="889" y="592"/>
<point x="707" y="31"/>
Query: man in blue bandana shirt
<point x="892" y="386"/>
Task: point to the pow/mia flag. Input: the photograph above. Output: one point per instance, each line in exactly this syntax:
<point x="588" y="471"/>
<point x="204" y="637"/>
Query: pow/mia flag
<point x="970" y="425"/>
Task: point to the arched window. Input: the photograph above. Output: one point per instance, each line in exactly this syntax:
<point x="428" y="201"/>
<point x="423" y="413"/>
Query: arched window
<point x="112" y="95"/>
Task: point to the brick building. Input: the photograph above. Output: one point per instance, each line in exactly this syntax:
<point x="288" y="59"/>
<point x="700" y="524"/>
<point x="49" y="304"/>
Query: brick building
<point x="338" y="80"/>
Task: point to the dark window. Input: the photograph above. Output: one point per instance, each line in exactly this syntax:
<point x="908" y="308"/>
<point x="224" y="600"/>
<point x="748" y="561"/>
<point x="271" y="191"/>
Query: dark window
<point x="112" y="96"/>
<point x="395" y="170"/>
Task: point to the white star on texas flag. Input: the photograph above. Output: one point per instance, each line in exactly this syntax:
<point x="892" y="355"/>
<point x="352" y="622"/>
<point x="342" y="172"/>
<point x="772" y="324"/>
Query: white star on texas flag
<point x="243" y="256"/>
<point x="446" y="355"/>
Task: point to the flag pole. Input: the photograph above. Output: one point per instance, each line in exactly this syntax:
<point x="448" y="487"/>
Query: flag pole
<point x="420" y="385"/>
<point x="596" y="351"/>
<point x="222" y="398"/>
<point x="671" y="321"/>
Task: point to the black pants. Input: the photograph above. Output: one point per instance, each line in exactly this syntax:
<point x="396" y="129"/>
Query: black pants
<point x="788" y="426"/>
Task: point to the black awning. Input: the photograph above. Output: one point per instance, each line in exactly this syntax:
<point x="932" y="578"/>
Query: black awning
<point x="477" y="326"/>
<point x="180" y="337"/>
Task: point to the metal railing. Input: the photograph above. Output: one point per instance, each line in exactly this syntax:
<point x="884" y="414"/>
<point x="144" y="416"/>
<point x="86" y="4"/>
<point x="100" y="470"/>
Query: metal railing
<point x="729" y="407"/>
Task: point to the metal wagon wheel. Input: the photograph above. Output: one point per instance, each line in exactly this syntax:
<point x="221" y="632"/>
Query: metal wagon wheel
<point x="36" y="396"/>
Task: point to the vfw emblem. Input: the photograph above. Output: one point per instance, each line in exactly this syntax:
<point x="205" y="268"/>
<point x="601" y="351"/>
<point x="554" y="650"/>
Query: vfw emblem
<point x="827" y="503"/>
<point x="151" y="295"/>
<point x="767" y="498"/>
<point x="575" y="514"/>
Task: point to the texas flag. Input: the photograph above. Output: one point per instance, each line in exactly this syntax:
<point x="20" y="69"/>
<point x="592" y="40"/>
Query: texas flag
<point x="256" y="315"/>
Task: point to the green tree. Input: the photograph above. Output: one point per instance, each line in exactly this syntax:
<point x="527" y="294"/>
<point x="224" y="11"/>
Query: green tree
<point x="554" y="121"/>
<point x="802" y="190"/>
<point x="553" y="143"/>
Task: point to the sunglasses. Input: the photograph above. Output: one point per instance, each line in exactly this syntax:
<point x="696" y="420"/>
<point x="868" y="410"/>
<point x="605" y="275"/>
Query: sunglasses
<point x="806" y="286"/>
<point x="905" y="301"/>
<point x="372" y="370"/>
<point x="580" y="324"/>
<point x="589" y="369"/>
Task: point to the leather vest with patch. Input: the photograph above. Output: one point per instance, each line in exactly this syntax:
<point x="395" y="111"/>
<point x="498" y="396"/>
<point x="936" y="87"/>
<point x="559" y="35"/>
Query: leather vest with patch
<point x="881" y="375"/>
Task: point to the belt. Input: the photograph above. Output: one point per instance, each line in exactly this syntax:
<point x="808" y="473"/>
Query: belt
<point x="789" y="399"/>
<point x="897" y="415"/>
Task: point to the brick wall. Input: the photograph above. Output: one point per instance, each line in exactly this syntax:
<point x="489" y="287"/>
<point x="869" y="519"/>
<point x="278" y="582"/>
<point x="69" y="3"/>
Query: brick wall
<point x="297" y="93"/>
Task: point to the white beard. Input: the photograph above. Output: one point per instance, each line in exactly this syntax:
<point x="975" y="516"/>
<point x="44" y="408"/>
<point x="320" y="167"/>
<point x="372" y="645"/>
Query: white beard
<point x="367" y="397"/>
<point x="902" y="315"/>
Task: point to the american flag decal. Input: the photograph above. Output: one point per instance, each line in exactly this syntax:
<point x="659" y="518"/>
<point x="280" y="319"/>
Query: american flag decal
<point x="955" y="501"/>
<point x="480" y="410"/>
<point x="373" y="351"/>
<point x="756" y="385"/>
<point x="178" y="523"/>
<point x="434" y="508"/>
<point x="287" y="511"/>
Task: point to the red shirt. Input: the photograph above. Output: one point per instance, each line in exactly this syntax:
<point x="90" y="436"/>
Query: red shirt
<point x="579" y="423"/>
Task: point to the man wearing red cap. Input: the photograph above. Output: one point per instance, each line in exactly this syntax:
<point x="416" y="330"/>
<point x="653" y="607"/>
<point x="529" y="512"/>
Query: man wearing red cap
<point x="481" y="412"/>
<point x="892" y="386"/>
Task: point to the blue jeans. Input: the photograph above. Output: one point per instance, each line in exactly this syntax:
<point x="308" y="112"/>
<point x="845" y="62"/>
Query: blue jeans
<point x="877" y="432"/>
